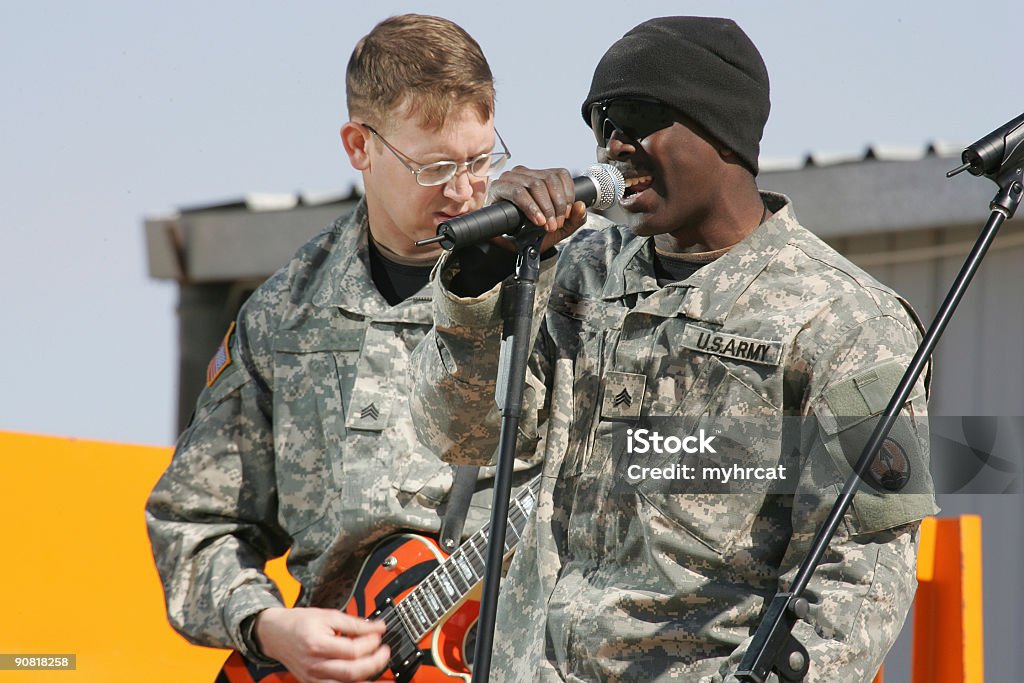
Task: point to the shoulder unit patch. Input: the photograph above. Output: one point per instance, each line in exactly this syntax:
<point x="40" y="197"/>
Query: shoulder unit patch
<point x="891" y="467"/>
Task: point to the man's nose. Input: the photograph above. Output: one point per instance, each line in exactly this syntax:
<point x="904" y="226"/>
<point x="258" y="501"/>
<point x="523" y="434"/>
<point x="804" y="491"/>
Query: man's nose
<point x="620" y="145"/>
<point x="618" y="148"/>
<point x="460" y="187"/>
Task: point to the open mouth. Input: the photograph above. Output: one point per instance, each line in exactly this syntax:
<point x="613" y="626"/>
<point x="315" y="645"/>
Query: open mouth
<point x="637" y="184"/>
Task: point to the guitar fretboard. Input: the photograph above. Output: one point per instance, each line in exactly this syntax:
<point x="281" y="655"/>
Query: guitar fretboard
<point x="445" y="587"/>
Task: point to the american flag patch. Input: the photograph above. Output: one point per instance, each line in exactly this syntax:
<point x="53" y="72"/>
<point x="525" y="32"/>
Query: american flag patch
<point x="221" y="359"/>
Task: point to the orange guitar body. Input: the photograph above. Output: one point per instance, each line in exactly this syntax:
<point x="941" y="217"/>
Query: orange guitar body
<point x="392" y="571"/>
<point x="409" y="558"/>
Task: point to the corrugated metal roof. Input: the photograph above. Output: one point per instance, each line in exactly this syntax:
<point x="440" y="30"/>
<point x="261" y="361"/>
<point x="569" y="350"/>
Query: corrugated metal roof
<point x="874" y="151"/>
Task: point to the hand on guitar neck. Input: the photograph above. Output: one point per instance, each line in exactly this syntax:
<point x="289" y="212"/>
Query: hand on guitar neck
<point x="306" y="640"/>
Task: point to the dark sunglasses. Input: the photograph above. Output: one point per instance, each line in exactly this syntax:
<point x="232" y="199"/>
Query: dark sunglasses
<point x="633" y="117"/>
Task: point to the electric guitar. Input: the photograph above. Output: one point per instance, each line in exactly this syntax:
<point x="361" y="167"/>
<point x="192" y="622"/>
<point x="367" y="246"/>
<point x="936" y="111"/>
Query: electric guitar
<point x="425" y="597"/>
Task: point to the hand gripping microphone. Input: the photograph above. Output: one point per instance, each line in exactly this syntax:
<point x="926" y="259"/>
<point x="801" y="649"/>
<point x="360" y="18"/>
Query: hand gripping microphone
<point x="600" y="187"/>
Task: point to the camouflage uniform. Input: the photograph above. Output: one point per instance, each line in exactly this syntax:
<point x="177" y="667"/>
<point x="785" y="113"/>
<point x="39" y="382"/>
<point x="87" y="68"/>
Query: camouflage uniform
<point x="613" y="585"/>
<point x="304" y="441"/>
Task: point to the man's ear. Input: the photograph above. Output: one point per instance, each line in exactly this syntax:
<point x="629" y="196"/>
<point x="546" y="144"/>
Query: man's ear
<point x="733" y="159"/>
<point x="356" y="139"/>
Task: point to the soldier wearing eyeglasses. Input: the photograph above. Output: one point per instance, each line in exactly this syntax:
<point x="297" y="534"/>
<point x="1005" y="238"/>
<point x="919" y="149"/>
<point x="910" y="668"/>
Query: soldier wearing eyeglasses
<point x="713" y="306"/>
<point x="302" y="440"/>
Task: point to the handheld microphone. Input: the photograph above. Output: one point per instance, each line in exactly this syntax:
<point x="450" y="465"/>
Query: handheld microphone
<point x="600" y="187"/>
<point x="988" y="156"/>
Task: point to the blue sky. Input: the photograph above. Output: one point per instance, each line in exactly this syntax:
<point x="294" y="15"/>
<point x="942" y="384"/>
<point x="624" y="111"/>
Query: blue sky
<point x="117" y="110"/>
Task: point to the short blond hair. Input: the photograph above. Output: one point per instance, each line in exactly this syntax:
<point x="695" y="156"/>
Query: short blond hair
<point x="426" y="65"/>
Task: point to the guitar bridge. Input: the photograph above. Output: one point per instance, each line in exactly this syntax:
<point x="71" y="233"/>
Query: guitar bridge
<point x="408" y="666"/>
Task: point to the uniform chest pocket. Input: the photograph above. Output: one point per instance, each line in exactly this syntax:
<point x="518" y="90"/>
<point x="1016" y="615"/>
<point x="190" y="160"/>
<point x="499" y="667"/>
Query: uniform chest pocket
<point x="415" y="472"/>
<point x="314" y="376"/>
<point x="717" y="501"/>
<point x="729" y="388"/>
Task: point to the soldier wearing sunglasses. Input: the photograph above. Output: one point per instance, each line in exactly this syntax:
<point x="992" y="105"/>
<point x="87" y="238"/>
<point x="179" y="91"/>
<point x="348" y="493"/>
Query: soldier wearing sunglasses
<point x="712" y="303"/>
<point x="302" y="440"/>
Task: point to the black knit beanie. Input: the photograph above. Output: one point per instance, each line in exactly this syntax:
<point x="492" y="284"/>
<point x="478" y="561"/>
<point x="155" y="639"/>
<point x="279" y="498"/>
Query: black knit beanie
<point x="707" y="68"/>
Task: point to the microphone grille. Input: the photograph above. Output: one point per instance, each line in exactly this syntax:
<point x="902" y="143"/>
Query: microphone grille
<point x="610" y="185"/>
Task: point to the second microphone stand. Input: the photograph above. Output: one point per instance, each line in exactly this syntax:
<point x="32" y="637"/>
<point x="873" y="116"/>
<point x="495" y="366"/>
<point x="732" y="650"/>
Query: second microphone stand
<point x="774" y="648"/>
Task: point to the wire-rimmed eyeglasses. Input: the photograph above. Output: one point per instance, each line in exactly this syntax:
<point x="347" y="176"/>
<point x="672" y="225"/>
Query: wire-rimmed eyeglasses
<point x="440" y="172"/>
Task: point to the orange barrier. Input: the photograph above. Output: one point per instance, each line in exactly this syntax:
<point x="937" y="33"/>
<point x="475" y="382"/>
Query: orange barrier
<point x="76" y="573"/>
<point x="948" y="632"/>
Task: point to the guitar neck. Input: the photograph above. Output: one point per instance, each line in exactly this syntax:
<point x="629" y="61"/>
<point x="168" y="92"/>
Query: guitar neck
<point x="457" y="576"/>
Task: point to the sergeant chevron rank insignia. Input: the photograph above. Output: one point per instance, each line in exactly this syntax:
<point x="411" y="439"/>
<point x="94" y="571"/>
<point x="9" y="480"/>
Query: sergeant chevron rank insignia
<point x="369" y="411"/>
<point x="623" y="395"/>
<point x="763" y="351"/>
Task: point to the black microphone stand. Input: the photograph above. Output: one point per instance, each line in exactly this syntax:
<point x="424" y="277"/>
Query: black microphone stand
<point x="774" y="648"/>
<point x="515" y="352"/>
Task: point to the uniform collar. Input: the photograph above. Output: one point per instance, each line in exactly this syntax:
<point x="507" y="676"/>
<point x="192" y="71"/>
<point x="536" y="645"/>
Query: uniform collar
<point x="710" y="293"/>
<point x="636" y="275"/>
<point x="348" y="284"/>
